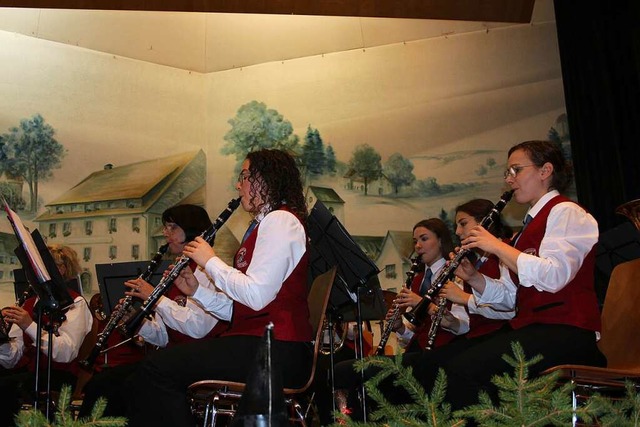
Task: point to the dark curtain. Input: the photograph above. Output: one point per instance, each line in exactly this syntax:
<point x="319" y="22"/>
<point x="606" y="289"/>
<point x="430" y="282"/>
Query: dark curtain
<point x="599" y="43"/>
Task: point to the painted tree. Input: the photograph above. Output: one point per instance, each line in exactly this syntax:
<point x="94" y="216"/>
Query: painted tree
<point x="366" y="164"/>
<point x="331" y="161"/>
<point x="313" y="156"/>
<point x="32" y="153"/>
<point x="399" y="171"/>
<point x="255" y="127"/>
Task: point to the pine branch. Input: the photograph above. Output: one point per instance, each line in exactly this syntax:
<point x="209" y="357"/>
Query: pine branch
<point x="426" y="409"/>
<point x="523" y="401"/>
<point x="623" y="412"/>
<point x="64" y="418"/>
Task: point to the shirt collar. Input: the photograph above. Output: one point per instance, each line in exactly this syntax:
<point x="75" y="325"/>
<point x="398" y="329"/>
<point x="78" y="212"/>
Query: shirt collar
<point x="533" y="211"/>
<point x="437" y="265"/>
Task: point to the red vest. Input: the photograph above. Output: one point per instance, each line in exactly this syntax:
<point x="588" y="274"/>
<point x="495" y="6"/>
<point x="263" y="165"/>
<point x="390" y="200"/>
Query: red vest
<point x="29" y="356"/>
<point x="478" y="324"/>
<point x="576" y="304"/>
<point x="289" y="311"/>
<point x="422" y="332"/>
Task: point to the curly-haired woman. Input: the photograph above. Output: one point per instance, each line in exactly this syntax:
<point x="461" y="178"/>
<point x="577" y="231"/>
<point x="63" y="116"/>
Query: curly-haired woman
<point x="267" y="283"/>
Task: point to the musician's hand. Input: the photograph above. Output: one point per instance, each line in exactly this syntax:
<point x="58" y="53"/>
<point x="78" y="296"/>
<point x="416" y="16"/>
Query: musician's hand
<point x="389" y="314"/>
<point x="406" y="299"/>
<point x="186" y="282"/>
<point x="479" y="237"/>
<point x="138" y="288"/>
<point x="432" y="309"/>
<point x="466" y="270"/>
<point x="18" y="316"/>
<point x="449" y="321"/>
<point x="454" y="293"/>
<point x="199" y="251"/>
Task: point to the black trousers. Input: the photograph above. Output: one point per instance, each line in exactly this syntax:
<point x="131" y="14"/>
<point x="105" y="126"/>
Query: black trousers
<point x="108" y="384"/>
<point x="470" y="364"/>
<point x="322" y="383"/>
<point x="158" y="388"/>
<point x="18" y="386"/>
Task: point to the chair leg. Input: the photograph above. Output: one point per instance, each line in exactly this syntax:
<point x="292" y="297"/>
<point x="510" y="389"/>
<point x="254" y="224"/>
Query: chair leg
<point x="296" y="412"/>
<point x="574" y="404"/>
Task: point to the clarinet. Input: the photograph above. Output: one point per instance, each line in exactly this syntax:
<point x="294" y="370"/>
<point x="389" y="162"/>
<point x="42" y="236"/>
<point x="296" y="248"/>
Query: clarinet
<point x="418" y="315"/>
<point x="415" y="264"/>
<point x="435" y="323"/>
<point x="132" y="325"/>
<point x="125" y="307"/>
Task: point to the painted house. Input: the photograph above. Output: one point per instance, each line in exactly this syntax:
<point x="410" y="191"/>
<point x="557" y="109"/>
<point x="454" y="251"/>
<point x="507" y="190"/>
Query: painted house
<point x="327" y="196"/>
<point x="394" y="260"/>
<point x="8" y="259"/>
<point x="115" y="214"/>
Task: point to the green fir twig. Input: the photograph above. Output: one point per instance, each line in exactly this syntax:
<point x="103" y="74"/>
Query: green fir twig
<point x="64" y="418"/>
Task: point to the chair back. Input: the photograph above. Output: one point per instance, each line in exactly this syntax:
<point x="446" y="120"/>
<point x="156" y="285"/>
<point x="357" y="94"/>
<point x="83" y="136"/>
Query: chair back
<point x="318" y="300"/>
<point x="620" y="341"/>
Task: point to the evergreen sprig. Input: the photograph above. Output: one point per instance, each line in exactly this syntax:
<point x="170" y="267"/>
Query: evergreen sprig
<point x="64" y="418"/>
<point x="524" y="401"/>
<point x="425" y="410"/>
<point x="624" y="412"/>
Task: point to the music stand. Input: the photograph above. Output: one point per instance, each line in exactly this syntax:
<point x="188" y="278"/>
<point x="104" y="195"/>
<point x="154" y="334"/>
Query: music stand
<point x="111" y="278"/>
<point x="46" y="280"/>
<point x="356" y="277"/>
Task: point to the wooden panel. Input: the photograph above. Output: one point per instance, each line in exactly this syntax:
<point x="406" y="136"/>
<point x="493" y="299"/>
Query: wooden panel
<point x="469" y="10"/>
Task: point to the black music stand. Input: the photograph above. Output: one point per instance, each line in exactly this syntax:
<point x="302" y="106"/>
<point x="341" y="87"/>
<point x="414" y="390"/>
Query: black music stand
<point x="46" y="281"/>
<point x="111" y="278"/>
<point x="356" y="286"/>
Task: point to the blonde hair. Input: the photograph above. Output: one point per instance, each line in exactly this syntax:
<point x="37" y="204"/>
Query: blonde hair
<point x="67" y="257"/>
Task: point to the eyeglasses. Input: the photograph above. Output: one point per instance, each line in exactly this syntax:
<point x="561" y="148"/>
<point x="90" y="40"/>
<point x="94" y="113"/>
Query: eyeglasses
<point x="170" y="227"/>
<point x="244" y="175"/>
<point x="514" y="170"/>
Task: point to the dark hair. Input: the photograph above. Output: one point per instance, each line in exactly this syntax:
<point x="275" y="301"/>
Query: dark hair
<point x="277" y="170"/>
<point x="440" y="229"/>
<point x="541" y="152"/>
<point x="478" y="209"/>
<point x="191" y="218"/>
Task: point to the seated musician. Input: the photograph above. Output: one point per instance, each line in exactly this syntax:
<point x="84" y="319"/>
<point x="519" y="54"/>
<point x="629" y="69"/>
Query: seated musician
<point x="432" y="240"/>
<point x="176" y="320"/>
<point x="19" y="354"/>
<point x="433" y="244"/>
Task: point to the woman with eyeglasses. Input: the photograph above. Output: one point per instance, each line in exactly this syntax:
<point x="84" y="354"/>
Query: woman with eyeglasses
<point x="267" y="283"/>
<point x="176" y="319"/>
<point x="546" y="275"/>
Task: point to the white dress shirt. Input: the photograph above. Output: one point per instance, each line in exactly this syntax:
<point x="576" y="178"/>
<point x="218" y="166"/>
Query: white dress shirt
<point x="280" y="244"/>
<point x="191" y="320"/>
<point x="66" y="345"/>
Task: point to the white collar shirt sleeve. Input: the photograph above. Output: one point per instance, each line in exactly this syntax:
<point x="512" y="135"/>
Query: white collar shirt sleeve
<point x="280" y="244"/>
<point x="72" y="332"/>
<point x="191" y="320"/>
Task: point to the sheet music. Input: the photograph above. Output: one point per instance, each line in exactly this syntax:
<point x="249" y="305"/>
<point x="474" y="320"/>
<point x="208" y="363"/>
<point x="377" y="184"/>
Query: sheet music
<point x="26" y="240"/>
